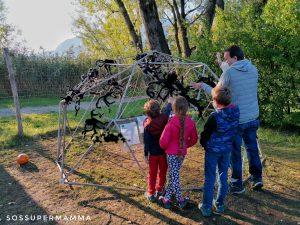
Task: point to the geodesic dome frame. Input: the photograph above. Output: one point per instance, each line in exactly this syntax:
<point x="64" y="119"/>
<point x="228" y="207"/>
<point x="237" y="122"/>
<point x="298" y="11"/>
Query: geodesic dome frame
<point x="118" y="84"/>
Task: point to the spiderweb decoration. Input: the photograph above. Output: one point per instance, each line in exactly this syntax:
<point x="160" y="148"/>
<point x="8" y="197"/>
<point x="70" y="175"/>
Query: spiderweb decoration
<point x="108" y="103"/>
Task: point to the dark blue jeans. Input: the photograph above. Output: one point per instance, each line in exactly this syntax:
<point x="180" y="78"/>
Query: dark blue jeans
<point x="247" y="132"/>
<point x="212" y="160"/>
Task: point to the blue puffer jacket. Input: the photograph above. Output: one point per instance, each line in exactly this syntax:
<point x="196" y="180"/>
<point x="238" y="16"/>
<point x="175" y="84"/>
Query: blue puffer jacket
<point x="220" y="129"/>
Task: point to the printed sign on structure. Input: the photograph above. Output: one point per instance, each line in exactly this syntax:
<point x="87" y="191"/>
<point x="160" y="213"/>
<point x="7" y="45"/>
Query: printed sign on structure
<point x="140" y="120"/>
<point x="130" y="133"/>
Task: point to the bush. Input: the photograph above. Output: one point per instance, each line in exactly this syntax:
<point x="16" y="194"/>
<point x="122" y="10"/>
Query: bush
<point x="43" y="75"/>
<point x="270" y="39"/>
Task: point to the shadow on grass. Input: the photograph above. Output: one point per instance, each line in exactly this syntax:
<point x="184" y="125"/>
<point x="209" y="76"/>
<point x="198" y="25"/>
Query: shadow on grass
<point x="29" y="144"/>
<point x="282" y="204"/>
<point x="191" y="212"/>
<point x="126" y="198"/>
<point x="30" y="167"/>
<point x="86" y="204"/>
<point x="285" y="165"/>
<point x="275" y="202"/>
<point x="16" y="141"/>
<point x="15" y="201"/>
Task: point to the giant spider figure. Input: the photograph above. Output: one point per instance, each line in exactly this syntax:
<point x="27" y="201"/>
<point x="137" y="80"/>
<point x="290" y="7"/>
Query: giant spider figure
<point x="148" y="65"/>
<point x="114" y="90"/>
<point x="92" y="124"/>
<point x="169" y="84"/>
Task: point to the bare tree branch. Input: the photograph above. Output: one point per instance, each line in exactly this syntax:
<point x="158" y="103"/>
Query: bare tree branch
<point x="194" y="9"/>
<point x="196" y="18"/>
<point x="169" y="18"/>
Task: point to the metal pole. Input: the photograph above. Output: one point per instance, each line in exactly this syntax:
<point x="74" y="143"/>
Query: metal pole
<point x="59" y="132"/>
<point x="64" y="141"/>
<point x="81" y="158"/>
<point x="105" y="186"/>
<point x="131" y="152"/>
<point x="125" y="92"/>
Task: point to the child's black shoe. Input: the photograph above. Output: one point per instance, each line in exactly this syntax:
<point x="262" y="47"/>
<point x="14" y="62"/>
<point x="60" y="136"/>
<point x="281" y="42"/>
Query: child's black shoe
<point x="149" y="197"/>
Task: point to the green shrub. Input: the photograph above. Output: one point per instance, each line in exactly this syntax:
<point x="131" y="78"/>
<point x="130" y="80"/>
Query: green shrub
<point x="270" y="39"/>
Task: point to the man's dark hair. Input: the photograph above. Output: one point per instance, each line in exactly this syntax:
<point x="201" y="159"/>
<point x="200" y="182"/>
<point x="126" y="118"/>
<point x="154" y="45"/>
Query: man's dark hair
<point x="235" y="50"/>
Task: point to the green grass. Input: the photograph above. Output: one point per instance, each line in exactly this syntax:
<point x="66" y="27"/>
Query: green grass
<point x="33" y="101"/>
<point x="37" y="125"/>
<point x="30" y="102"/>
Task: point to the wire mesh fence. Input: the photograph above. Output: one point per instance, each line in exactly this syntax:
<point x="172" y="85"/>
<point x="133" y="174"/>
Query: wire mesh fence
<point x="41" y="80"/>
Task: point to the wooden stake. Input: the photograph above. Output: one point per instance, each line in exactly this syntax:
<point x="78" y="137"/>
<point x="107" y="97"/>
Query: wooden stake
<point x="14" y="89"/>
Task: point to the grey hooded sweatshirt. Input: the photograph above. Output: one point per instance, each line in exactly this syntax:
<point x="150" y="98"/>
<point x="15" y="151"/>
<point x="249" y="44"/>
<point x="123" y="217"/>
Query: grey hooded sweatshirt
<point x="242" y="79"/>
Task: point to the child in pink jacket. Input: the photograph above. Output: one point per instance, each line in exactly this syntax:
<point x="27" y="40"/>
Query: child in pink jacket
<point x="179" y="134"/>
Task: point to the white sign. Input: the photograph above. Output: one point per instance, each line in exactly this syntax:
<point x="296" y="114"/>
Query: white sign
<point x="140" y="120"/>
<point x="130" y="133"/>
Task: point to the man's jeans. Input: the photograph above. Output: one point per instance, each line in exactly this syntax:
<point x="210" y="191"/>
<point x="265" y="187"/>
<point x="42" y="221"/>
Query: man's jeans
<point x="212" y="161"/>
<point x="248" y="133"/>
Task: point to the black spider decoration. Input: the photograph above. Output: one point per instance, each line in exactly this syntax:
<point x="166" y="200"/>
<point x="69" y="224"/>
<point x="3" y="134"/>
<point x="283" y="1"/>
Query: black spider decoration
<point x="92" y="124"/>
<point x="105" y="100"/>
<point x="115" y="87"/>
<point x="107" y="63"/>
<point x="108" y="136"/>
<point x="147" y="64"/>
<point x="71" y="94"/>
<point x="92" y="74"/>
<point x="170" y="84"/>
<point x="115" y="90"/>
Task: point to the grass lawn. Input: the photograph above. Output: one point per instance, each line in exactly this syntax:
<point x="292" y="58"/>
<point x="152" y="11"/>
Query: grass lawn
<point x="30" y="102"/>
<point x="34" y="188"/>
<point x="33" y="101"/>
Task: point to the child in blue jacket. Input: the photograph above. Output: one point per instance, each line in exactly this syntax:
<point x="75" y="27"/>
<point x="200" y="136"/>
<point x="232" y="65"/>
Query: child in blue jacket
<point x="217" y="139"/>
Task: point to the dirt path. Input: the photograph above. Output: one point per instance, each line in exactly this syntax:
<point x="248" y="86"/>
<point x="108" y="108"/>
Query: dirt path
<point x="36" y="191"/>
<point x="52" y="108"/>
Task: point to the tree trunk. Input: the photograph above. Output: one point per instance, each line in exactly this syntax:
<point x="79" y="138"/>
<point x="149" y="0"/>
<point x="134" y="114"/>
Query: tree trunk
<point x="133" y="34"/>
<point x="176" y="33"/>
<point x="153" y="26"/>
<point x="14" y="89"/>
<point x="181" y="18"/>
<point x="209" y="13"/>
<point x="221" y="4"/>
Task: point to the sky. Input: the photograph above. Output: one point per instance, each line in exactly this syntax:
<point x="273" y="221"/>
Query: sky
<point x="44" y="23"/>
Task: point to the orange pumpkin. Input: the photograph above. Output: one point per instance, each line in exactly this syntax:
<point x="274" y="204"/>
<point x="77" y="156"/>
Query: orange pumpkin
<point x="22" y="159"/>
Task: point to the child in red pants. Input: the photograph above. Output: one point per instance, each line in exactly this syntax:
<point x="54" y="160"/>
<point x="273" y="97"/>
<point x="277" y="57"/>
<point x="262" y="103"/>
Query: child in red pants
<point x="154" y="125"/>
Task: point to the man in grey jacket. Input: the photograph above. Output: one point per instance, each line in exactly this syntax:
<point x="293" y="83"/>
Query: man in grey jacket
<point x="242" y="79"/>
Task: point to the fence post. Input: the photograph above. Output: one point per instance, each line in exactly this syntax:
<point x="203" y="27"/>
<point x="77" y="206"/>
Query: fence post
<point x="13" y="85"/>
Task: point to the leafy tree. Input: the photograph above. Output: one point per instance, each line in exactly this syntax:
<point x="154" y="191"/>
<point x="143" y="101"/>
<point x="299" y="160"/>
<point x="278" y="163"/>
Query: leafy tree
<point x="270" y="41"/>
<point x="183" y="16"/>
<point x="7" y="31"/>
<point x="153" y="26"/>
<point x="104" y="31"/>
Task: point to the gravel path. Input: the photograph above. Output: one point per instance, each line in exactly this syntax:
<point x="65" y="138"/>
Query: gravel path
<point x="52" y="108"/>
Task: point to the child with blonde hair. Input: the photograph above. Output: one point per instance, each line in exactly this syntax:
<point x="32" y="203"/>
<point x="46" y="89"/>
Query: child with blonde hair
<point x="179" y="134"/>
<point x="155" y="157"/>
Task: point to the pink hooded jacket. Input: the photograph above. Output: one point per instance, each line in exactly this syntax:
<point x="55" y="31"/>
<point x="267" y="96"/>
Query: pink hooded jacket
<point x="169" y="139"/>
